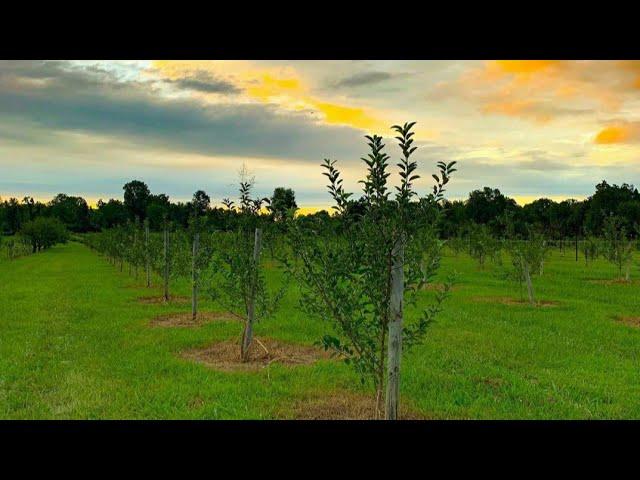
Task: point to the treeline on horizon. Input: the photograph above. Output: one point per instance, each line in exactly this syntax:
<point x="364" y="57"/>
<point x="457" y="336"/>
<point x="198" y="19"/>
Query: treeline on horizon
<point x="500" y="214"/>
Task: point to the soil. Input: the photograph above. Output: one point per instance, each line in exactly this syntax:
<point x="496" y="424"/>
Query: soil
<point x="225" y="356"/>
<point x="516" y="301"/>
<point x="184" y="319"/>
<point x="344" y="405"/>
<point x="631" y="321"/>
<point x="160" y="299"/>
<point x="439" y="286"/>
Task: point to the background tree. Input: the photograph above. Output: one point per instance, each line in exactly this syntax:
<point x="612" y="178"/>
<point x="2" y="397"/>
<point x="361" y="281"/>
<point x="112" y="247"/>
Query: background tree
<point x="44" y="232"/>
<point x="282" y="203"/>
<point x="136" y="199"/>
<point x="72" y="211"/>
<point x="200" y="203"/>
<point x="111" y="213"/>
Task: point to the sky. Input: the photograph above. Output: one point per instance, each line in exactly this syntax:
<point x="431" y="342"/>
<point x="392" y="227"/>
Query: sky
<point x="532" y="128"/>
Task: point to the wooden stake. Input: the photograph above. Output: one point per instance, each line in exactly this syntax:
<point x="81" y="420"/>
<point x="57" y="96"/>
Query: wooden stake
<point x="146" y="253"/>
<point x="247" y="335"/>
<point x="527" y="277"/>
<point x="395" y="330"/>
<point x="194" y="276"/>
<point x="166" y="264"/>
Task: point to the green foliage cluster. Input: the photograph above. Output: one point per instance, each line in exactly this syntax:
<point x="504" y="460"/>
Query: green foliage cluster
<point x="43" y="232"/>
<point x="617" y="248"/>
<point x="344" y="273"/>
<point x="482" y="245"/>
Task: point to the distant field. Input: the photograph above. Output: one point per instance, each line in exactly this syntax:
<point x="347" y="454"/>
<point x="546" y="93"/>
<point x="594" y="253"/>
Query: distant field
<point x="76" y="343"/>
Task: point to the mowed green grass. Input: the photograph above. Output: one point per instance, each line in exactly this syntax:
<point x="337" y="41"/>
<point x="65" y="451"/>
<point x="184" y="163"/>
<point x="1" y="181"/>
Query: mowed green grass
<point x="75" y="343"/>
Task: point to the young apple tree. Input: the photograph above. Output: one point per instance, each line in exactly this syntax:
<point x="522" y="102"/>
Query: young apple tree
<point x="237" y="279"/>
<point x="482" y="245"/>
<point x="359" y="275"/>
<point x="590" y="249"/>
<point x="618" y="249"/>
<point x="527" y="256"/>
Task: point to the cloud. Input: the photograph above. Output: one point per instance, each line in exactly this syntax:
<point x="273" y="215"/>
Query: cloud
<point x="363" y="78"/>
<point x="543" y="90"/>
<point x="76" y="100"/>
<point x="541" y="112"/>
<point x="526" y="67"/>
<point x="203" y="82"/>
<point x="282" y="88"/>
<point x="620" y="132"/>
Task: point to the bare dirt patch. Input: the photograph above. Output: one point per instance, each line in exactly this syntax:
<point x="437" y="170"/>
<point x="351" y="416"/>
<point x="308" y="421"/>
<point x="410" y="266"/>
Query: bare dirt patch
<point x="516" y="301"/>
<point x="225" y="356"/>
<point x="184" y="319"/>
<point x="344" y="405"/>
<point x="493" y="383"/>
<point x="159" y="299"/>
<point x="439" y="286"/>
<point x="630" y="321"/>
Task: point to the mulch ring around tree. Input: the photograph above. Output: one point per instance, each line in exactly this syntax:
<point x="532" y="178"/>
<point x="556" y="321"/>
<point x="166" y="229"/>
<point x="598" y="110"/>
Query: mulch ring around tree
<point x="630" y="321"/>
<point x="439" y="286"/>
<point x="185" y="319"/>
<point x="225" y="356"/>
<point x="159" y="299"/>
<point x="345" y="405"/>
<point x="516" y="301"/>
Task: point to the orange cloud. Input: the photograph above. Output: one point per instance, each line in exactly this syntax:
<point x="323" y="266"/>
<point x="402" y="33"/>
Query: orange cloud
<point x="542" y="90"/>
<point x="338" y="114"/>
<point x="518" y="108"/>
<point x="619" y="133"/>
<point x="283" y="87"/>
<point x="526" y="66"/>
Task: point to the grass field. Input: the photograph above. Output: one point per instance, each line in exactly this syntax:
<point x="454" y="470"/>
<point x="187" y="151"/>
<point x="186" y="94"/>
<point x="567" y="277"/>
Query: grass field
<point x="76" y="343"/>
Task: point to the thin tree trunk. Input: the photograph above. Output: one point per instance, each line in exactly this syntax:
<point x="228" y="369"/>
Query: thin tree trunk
<point x="135" y="249"/>
<point x="194" y="277"/>
<point x="627" y="273"/>
<point x="527" y="277"/>
<point x="380" y="398"/>
<point x="395" y="331"/>
<point x="247" y="335"/>
<point x="147" y="262"/>
<point x="166" y="264"/>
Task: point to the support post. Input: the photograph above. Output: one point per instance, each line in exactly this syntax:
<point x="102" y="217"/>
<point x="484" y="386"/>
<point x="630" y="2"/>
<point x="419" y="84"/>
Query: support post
<point x="527" y="277"/>
<point x="247" y="335"/>
<point x="166" y="264"/>
<point x="395" y="330"/>
<point x="194" y="276"/>
<point x="147" y="262"/>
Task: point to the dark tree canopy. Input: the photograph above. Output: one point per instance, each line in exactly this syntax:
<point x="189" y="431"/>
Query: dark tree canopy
<point x="487" y="206"/>
<point x="282" y="201"/>
<point x="200" y="203"/>
<point x="72" y="211"/>
<point x="136" y="199"/>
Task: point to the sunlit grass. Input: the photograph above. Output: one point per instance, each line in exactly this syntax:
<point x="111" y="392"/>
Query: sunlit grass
<point x="75" y="343"/>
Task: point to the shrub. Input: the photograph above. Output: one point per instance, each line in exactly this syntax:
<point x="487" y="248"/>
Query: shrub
<point x="44" y="232"/>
